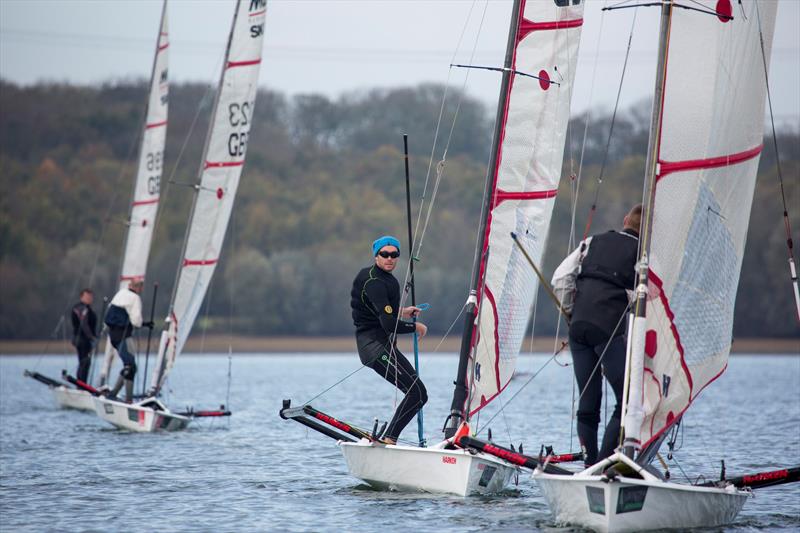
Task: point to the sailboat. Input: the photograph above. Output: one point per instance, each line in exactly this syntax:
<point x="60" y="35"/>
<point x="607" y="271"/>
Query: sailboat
<point x="705" y="143"/>
<point x="220" y="170"/>
<point x="521" y="185"/>
<point x="142" y="213"/>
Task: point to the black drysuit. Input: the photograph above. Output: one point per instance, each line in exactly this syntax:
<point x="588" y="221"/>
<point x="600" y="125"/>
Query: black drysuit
<point x="375" y="301"/>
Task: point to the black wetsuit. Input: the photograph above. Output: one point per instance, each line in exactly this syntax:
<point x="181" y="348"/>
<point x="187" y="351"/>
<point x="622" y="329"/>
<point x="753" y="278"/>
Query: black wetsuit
<point x="375" y="300"/>
<point x="84" y="327"/>
<point x="598" y="324"/>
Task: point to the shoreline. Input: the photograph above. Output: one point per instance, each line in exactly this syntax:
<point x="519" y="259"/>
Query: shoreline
<point x="215" y="344"/>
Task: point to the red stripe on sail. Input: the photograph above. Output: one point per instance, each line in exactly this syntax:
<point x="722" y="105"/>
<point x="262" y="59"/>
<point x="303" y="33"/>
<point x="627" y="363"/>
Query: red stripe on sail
<point x="527" y="26"/>
<point x="502" y="195"/>
<point x="668" y="167"/>
<point x="145" y="202"/>
<point x="232" y="64"/>
<point x="163" y="47"/>
<point x="500" y="389"/>
<point x="156" y="125"/>
<point x="257" y="13"/>
<point x="130" y="278"/>
<point x="199" y="262"/>
<point x="222" y="164"/>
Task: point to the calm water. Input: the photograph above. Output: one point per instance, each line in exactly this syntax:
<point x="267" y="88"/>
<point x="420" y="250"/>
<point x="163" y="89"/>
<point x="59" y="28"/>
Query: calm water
<point x="69" y="471"/>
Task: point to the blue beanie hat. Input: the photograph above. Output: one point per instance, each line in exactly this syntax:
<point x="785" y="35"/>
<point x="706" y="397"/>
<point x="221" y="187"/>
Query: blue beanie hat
<point x="386" y="240"/>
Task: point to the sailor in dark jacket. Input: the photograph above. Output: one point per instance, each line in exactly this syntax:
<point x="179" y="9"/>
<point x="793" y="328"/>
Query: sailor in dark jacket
<point x="595" y="284"/>
<point x="375" y="301"/>
<point x="84" y="332"/>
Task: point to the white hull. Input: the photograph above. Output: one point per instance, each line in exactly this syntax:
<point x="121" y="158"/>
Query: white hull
<point x="435" y="470"/>
<point x="68" y="398"/>
<point x="590" y="500"/>
<point x="146" y="416"/>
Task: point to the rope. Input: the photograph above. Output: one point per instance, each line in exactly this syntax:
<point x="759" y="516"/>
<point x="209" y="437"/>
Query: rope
<point x="787" y="226"/>
<point x="530" y="379"/>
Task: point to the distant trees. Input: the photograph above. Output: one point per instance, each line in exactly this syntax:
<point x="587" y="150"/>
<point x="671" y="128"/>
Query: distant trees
<point x="323" y="178"/>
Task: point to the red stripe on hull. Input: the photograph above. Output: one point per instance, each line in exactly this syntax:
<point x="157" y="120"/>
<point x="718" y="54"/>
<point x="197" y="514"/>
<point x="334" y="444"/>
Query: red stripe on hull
<point x="668" y="167"/>
<point x="145" y="202"/>
<point x="222" y="164"/>
<point x="199" y="262"/>
<point x="233" y="64"/>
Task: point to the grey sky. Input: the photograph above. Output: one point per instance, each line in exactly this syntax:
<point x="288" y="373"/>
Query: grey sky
<point x="331" y="46"/>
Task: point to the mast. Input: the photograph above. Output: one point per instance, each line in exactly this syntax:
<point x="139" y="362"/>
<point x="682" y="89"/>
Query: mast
<point x="632" y="409"/>
<point x="457" y="410"/>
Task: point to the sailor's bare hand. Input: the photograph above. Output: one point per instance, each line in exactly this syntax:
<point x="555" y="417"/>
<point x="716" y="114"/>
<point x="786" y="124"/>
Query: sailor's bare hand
<point x="410" y="311"/>
<point x="422" y="329"/>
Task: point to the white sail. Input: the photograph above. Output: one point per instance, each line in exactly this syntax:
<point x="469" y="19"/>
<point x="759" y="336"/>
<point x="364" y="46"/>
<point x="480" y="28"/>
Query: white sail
<point x="222" y="164"/>
<point x="531" y="151"/>
<point x="711" y="140"/>
<point x="146" y="187"/>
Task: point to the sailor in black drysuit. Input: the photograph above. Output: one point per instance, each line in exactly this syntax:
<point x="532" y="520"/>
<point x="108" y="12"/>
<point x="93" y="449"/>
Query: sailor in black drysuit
<point x="84" y="328"/>
<point x="375" y="300"/>
<point x="595" y="283"/>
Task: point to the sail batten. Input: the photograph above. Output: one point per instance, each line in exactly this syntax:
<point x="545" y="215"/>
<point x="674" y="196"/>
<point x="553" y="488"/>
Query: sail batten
<point x="220" y="170"/>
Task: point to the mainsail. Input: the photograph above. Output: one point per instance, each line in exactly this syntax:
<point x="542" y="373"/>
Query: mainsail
<point x="222" y="163"/>
<point x="525" y="171"/>
<point x="146" y="187"/>
<point x="710" y="144"/>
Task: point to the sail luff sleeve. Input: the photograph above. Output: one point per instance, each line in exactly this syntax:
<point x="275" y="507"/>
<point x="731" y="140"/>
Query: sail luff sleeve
<point x="528" y="164"/>
<point x="458" y="407"/>
<point x="711" y="141"/>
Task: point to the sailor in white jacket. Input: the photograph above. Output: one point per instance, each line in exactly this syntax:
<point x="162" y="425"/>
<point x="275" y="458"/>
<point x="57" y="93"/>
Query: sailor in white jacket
<point x="125" y="313"/>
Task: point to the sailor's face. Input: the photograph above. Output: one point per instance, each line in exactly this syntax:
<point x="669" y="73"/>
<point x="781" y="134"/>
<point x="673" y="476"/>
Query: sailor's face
<point x="387" y="258"/>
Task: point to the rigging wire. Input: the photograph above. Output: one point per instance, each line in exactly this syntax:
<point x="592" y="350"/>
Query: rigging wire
<point x="593" y="209"/>
<point x="789" y="243"/>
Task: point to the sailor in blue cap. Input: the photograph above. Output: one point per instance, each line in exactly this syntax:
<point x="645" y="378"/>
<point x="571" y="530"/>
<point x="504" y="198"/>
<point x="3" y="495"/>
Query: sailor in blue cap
<point x="375" y="301"/>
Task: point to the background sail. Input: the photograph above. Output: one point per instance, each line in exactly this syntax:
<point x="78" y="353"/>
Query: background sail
<point x="526" y="179"/>
<point x="710" y="145"/>
<point x="219" y="178"/>
<point x="146" y="187"/>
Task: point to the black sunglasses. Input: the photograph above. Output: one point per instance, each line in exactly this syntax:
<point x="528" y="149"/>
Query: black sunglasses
<point x="387" y="255"/>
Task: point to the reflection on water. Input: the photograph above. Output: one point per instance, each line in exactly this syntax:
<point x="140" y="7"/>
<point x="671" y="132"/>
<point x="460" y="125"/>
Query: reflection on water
<point x="68" y="471"/>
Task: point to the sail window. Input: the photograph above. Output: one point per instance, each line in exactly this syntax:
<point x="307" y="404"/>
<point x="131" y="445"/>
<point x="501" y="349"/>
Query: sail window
<point x="597" y="500"/>
<point x="486" y="477"/>
<point x="631" y="499"/>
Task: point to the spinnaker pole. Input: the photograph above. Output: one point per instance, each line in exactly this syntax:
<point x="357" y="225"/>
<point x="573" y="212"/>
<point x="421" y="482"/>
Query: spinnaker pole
<point x="411" y="259"/>
<point x="632" y="408"/>
<point x="458" y="412"/>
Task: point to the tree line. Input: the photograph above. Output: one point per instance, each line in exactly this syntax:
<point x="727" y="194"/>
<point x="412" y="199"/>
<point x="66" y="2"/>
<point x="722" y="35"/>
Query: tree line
<point x="324" y="176"/>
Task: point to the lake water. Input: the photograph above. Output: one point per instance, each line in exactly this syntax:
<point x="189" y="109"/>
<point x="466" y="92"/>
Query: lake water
<point x="69" y="471"/>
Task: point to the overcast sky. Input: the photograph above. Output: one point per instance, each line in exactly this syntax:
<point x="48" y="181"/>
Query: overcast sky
<point x="332" y="46"/>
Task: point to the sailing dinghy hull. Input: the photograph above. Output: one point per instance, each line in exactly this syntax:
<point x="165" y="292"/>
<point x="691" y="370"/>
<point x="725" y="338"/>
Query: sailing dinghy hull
<point x="68" y="398"/>
<point x="146" y="416"/>
<point x="435" y="470"/>
<point x="590" y="500"/>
